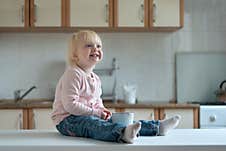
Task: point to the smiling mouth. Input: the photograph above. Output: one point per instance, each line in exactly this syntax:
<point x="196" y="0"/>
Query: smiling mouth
<point x="94" y="55"/>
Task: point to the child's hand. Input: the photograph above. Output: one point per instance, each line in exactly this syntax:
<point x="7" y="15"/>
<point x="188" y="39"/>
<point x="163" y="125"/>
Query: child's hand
<point x="106" y="114"/>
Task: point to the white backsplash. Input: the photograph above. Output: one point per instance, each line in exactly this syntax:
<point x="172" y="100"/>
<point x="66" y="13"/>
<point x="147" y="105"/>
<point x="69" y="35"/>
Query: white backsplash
<point x="145" y="59"/>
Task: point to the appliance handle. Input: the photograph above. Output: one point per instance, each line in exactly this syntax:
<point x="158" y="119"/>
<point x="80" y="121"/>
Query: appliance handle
<point x="222" y="83"/>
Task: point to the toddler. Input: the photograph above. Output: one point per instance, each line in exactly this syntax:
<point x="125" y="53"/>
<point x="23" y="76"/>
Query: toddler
<point x="78" y="109"/>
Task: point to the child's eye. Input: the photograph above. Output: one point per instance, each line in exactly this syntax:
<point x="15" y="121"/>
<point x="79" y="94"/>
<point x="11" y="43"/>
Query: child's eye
<point x="98" y="46"/>
<point x="88" y="45"/>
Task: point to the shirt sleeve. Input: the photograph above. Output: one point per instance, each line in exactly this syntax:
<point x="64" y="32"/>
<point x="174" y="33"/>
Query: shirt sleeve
<point x="71" y="84"/>
<point x="99" y="100"/>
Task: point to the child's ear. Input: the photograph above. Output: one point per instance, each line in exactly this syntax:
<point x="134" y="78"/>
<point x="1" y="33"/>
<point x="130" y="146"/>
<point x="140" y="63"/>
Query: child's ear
<point x="75" y="57"/>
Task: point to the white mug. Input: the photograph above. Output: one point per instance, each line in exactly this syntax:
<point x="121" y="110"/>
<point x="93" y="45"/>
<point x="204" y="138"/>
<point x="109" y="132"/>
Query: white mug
<point x="124" y="118"/>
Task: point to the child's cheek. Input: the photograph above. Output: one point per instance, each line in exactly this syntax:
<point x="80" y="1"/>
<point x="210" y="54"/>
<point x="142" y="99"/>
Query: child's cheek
<point x="101" y="55"/>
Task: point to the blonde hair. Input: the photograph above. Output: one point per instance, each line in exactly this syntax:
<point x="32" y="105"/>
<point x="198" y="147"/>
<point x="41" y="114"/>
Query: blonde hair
<point x="81" y="36"/>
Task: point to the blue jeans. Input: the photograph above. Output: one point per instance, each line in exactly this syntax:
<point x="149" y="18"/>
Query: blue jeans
<point x="96" y="128"/>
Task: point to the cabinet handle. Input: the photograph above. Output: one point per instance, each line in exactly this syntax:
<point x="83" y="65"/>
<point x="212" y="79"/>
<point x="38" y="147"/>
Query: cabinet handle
<point x="142" y="13"/>
<point x="20" y="122"/>
<point x="35" y="13"/>
<point x="154" y="12"/>
<point x="152" y="117"/>
<point x="107" y="13"/>
<point x="164" y="116"/>
<point x="34" y="121"/>
<point x="22" y="13"/>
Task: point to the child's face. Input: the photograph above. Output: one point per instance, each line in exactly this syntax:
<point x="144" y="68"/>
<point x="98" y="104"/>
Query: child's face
<point x="89" y="54"/>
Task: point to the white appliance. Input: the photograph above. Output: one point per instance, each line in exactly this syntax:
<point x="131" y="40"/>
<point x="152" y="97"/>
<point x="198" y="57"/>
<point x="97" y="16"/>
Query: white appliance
<point x="213" y="116"/>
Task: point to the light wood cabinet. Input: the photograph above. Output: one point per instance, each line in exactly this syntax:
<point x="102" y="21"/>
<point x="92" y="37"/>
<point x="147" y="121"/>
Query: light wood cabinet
<point x="12" y="119"/>
<point x="89" y="13"/>
<point x="189" y="117"/>
<point x="189" y="113"/>
<point x="107" y="15"/>
<point x="46" y="13"/>
<point x="14" y="13"/>
<point x="40" y="118"/>
<point x="131" y="13"/>
<point x="31" y="13"/>
<point x="149" y="14"/>
<point x="166" y="14"/>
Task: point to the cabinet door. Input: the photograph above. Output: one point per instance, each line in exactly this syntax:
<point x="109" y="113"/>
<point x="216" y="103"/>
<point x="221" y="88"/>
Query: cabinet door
<point x="12" y="13"/>
<point x="92" y="13"/>
<point x="187" y="117"/>
<point x="42" y="119"/>
<point x="11" y="119"/>
<point x="166" y="13"/>
<point x="131" y="13"/>
<point x="142" y="114"/>
<point x="45" y="13"/>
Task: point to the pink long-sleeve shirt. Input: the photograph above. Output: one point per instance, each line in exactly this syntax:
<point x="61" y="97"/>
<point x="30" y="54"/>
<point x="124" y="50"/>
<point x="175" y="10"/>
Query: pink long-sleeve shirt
<point x="77" y="93"/>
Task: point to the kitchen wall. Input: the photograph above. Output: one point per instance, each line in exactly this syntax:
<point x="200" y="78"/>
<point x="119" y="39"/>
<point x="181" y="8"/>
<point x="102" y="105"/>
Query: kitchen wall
<point x="145" y="59"/>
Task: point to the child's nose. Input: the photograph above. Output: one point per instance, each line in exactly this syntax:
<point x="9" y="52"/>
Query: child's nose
<point x="95" y="47"/>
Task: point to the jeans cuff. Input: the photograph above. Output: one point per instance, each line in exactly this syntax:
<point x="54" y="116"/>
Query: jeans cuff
<point x="157" y="128"/>
<point x="121" y="133"/>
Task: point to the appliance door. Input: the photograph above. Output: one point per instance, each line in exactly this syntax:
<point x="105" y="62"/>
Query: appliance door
<point x="212" y="116"/>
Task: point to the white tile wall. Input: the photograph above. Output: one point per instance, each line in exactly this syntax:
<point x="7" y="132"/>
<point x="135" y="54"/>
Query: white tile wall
<point x="145" y="59"/>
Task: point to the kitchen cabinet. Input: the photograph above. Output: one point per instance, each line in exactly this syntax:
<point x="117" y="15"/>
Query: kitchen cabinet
<point x="159" y="111"/>
<point x="150" y="15"/>
<point x="107" y="15"/>
<point x="40" y="118"/>
<point x="12" y="119"/>
<point x="14" y="13"/>
<point x="131" y="13"/>
<point x="30" y="13"/>
<point x="189" y="116"/>
<point x="82" y="13"/>
<point x="166" y="14"/>
<point x="46" y="13"/>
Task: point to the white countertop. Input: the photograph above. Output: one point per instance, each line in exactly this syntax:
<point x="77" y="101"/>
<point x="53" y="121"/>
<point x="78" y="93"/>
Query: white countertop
<point x="176" y="140"/>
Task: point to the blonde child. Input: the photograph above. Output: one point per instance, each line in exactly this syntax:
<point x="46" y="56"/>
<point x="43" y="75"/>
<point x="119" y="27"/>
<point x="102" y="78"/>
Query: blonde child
<point x="78" y="109"/>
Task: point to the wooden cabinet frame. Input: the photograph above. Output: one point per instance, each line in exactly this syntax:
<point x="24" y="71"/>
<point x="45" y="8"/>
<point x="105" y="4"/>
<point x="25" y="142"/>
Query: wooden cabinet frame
<point x="26" y="13"/>
<point x="25" y="119"/>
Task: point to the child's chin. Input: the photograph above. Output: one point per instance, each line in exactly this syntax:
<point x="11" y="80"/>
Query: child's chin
<point x="95" y="59"/>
